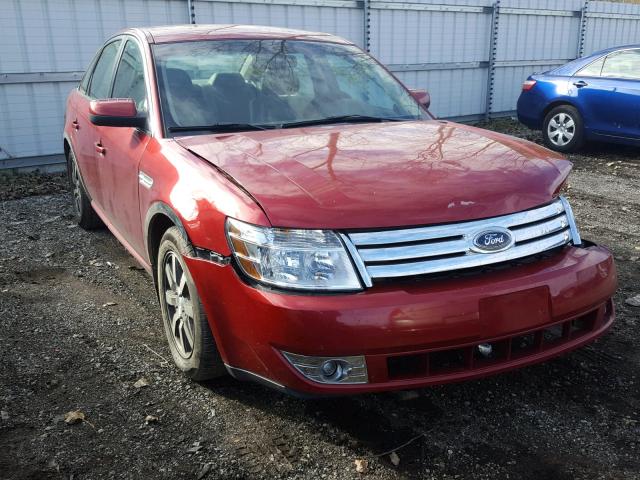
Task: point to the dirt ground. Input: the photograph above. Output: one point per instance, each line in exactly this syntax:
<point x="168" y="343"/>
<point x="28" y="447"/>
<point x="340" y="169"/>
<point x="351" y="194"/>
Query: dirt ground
<point x="80" y="325"/>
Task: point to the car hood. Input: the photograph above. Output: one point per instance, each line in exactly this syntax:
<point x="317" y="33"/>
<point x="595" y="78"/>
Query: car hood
<point x="384" y="174"/>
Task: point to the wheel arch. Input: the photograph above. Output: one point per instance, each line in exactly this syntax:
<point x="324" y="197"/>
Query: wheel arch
<point x="559" y="103"/>
<point x="67" y="148"/>
<point x="160" y="217"/>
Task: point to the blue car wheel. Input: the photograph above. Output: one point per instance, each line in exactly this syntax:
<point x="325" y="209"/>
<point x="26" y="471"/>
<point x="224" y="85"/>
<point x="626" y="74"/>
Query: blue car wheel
<point x="563" y="129"/>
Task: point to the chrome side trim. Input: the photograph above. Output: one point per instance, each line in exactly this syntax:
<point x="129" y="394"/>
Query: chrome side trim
<point x="575" y="235"/>
<point x="357" y="260"/>
<point x="234" y="371"/>
<point x="212" y="256"/>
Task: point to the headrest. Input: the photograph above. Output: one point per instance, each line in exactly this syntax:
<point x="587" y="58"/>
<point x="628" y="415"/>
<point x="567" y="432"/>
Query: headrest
<point x="178" y="79"/>
<point x="229" y="81"/>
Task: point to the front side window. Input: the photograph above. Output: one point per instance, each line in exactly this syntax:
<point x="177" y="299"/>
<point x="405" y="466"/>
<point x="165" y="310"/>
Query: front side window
<point x="625" y="64"/>
<point x="129" y="80"/>
<point x="103" y="72"/>
<point x="273" y="84"/>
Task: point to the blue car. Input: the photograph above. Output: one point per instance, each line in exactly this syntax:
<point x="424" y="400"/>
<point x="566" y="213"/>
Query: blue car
<point x="591" y="98"/>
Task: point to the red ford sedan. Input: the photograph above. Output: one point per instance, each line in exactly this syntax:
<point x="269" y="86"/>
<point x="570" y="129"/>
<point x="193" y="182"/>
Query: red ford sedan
<point x="311" y="226"/>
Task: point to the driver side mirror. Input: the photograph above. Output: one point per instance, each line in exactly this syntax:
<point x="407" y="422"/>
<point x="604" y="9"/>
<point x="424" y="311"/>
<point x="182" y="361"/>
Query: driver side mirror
<point x="116" y="112"/>
<point x="421" y="96"/>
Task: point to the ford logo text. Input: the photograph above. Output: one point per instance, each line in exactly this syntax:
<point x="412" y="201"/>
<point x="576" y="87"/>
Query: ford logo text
<point x="493" y="240"/>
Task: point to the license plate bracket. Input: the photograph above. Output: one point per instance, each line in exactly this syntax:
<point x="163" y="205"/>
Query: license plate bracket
<point x="516" y="311"/>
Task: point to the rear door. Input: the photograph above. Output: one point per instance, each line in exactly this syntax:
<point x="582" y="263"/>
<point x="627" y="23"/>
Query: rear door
<point x="97" y="85"/>
<point x="608" y="92"/>
<point x="122" y="149"/>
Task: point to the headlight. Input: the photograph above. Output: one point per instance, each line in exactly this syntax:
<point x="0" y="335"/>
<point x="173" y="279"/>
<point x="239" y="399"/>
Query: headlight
<point x="288" y="258"/>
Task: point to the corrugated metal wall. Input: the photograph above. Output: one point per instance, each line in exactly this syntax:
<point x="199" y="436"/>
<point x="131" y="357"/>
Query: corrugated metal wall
<point x="343" y="18"/>
<point x="611" y="24"/>
<point x="436" y="45"/>
<point x="472" y="55"/>
<point x="44" y="47"/>
<point x="530" y="40"/>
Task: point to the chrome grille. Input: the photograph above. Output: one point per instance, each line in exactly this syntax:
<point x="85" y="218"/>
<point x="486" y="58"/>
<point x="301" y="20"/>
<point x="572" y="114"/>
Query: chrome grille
<point x="441" y="248"/>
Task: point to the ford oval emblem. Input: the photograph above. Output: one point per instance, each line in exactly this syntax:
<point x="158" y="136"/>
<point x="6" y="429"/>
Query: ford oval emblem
<point x="492" y="240"/>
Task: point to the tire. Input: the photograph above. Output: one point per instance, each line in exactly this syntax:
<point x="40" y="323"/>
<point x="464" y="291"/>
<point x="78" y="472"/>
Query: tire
<point x="84" y="214"/>
<point x="192" y="345"/>
<point x="563" y="129"/>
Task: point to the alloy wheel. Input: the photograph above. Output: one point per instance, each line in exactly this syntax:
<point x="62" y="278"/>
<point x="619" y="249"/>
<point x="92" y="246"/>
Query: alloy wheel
<point x="561" y="129"/>
<point x="75" y="180"/>
<point x="179" y="305"/>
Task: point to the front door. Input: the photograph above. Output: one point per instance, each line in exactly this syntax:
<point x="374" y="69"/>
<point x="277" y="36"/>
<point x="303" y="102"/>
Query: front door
<point x="120" y="150"/>
<point x="611" y="100"/>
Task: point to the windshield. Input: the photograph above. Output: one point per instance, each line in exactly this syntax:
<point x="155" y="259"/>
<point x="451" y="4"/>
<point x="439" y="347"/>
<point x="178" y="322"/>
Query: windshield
<point x="254" y="84"/>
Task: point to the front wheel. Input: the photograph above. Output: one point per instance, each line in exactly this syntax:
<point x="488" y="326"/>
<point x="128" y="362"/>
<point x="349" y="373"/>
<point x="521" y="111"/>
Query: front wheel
<point x="192" y="345"/>
<point x="563" y="129"/>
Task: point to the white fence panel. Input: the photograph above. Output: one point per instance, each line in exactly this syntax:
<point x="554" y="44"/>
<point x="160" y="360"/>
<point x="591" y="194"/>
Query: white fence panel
<point x="454" y="92"/>
<point x="344" y="18"/>
<point x="532" y="37"/>
<point x="414" y="36"/>
<point x="426" y="49"/>
<point x="611" y="24"/>
<point x="508" y="84"/>
<point x="57" y="37"/>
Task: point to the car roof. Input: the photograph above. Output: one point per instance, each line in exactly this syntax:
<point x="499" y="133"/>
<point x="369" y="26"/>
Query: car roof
<point x="575" y="65"/>
<point x="182" y="33"/>
<point x="613" y="49"/>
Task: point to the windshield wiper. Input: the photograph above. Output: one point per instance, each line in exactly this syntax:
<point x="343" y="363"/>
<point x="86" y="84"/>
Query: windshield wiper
<point x="239" y="127"/>
<point x="220" y="127"/>
<point x="340" y="119"/>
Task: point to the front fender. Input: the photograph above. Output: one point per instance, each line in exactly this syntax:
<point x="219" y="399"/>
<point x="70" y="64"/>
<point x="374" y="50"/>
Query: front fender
<point x="194" y="194"/>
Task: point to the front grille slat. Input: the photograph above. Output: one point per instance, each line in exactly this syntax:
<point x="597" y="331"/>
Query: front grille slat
<point x="388" y="254"/>
<point x="444" y="248"/>
<point x="541" y="229"/>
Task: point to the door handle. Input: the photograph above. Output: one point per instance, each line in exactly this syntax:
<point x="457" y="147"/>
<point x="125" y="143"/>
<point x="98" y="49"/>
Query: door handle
<point x="580" y="83"/>
<point x="75" y="125"/>
<point x="100" y="149"/>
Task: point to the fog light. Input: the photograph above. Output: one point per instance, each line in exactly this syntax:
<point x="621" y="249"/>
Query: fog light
<point x="330" y="369"/>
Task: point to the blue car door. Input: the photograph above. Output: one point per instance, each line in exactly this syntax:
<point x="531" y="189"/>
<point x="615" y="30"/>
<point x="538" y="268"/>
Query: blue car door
<point x="608" y="94"/>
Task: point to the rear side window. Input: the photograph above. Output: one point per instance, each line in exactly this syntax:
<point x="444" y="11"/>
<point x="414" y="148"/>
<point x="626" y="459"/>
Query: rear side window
<point x="129" y="81"/>
<point x="592" y="70"/>
<point x="103" y="73"/>
<point x="624" y="64"/>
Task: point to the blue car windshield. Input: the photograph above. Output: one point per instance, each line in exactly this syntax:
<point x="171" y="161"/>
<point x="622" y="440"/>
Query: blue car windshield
<point x="271" y="83"/>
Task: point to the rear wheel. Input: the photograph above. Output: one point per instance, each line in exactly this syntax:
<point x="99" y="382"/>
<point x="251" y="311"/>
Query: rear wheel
<point x="192" y="345"/>
<point x="85" y="215"/>
<point x="563" y="129"/>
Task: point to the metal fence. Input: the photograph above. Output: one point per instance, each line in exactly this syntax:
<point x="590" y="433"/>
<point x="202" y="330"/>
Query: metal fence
<point x="472" y="55"/>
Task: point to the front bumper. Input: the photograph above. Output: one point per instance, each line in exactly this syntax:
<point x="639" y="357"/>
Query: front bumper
<point x="413" y="334"/>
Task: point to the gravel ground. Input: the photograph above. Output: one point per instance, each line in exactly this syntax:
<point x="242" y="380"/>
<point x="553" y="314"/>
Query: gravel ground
<point x="81" y="327"/>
